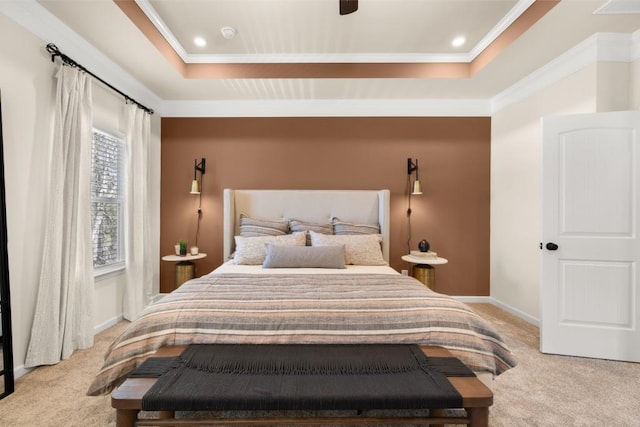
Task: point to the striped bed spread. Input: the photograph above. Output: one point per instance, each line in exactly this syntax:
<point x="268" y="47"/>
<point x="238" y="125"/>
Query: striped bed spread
<point x="236" y="308"/>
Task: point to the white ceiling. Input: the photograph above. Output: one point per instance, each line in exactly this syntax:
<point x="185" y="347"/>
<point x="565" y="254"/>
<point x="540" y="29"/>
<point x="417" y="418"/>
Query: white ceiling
<point x="315" y="28"/>
<point x="381" y="31"/>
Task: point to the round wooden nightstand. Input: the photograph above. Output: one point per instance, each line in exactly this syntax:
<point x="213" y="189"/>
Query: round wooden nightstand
<point x="423" y="269"/>
<point x="185" y="267"/>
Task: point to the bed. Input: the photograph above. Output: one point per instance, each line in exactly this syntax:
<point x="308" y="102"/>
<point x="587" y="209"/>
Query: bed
<point x="296" y="303"/>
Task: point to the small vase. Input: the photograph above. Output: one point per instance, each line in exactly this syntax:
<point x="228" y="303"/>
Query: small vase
<point x="423" y="246"/>
<point x="177" y="248"/>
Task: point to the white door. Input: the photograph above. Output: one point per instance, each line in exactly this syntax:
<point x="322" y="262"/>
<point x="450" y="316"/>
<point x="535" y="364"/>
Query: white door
<point x="590" y="292"/>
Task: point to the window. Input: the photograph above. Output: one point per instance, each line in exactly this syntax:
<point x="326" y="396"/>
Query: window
<point x="107" y="202"/>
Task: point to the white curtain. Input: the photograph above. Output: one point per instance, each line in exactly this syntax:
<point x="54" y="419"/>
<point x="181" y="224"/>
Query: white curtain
<point x="138" y="287"/>
<point x="63" y="321"/>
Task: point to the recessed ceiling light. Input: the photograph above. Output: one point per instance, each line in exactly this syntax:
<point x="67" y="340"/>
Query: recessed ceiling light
<point x="458" y="41"/>
<point x="200" y="42"/>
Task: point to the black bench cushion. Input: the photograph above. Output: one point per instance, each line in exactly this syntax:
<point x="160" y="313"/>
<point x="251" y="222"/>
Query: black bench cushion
<point x="302" y="377"/>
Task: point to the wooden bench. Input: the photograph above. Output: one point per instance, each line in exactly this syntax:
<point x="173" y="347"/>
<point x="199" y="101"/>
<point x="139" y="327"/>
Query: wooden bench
<point x="476" y="398"/>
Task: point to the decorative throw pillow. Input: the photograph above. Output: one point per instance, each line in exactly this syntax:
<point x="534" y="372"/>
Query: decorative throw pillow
<point x="303" y="256"/>
<point x="250" y="227"/>
<point x="297" y="225"/>
<point x="251" y="250"/>
<point x="343" y="227"/>
<point x="363" y="249"/>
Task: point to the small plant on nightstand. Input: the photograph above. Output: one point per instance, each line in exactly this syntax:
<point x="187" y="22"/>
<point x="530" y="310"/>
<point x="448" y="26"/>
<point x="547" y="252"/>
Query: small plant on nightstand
<point x="183" y="247"/>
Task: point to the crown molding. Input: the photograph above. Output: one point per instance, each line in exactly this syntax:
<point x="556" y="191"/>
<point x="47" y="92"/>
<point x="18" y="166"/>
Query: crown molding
<point x="614" y="47"/>
<point x="635" y="48"/>
<point x="320" y="58"/>
<point x="330" y="108"/>
<point x="502" y="25"/>
<point x="155" y="19"/>
<point x="46" y="26"/>
<point x="418" y="58"/>
<point x="600" y="47"/>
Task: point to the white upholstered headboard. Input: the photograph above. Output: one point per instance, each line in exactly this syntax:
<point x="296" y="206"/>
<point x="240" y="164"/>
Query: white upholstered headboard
<point x="359" y="206"/>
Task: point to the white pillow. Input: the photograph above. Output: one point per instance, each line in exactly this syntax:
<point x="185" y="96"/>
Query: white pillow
<point x="362" y="249"/>
<point x="251" y="250"/>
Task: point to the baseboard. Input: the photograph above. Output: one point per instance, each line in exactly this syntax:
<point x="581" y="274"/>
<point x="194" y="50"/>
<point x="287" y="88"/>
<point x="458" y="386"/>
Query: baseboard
<point x="518" y="313"/>
<point x="106" y="325"/>
<point x="113" y="321"/>
<point x="476" y="299"/>
<point x="20" y="371"/>
<point x="491" y="300"/>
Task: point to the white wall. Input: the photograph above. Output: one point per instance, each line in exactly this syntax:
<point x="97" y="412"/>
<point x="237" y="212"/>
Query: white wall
<point x="516" y="154"/>
<point x="516" y="173"/>
<point x="27" y="87"/>
<point x="613" y="86"/>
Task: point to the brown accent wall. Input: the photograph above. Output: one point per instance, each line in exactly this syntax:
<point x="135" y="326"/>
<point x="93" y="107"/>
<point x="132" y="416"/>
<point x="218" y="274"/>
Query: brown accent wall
<point x="338" y="153"/>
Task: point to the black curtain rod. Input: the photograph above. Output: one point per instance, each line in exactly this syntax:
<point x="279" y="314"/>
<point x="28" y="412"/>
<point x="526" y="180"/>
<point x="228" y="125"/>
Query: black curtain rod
<point x="54" y="51"/>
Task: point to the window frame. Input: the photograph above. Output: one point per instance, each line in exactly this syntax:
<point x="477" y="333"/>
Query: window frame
<point x="120" y="264"/>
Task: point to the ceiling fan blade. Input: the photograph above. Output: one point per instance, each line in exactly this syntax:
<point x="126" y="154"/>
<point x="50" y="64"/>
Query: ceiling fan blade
<point x="348" y="6"/>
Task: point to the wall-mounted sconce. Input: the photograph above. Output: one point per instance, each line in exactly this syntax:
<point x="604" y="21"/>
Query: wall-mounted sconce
<point x="195" y="184"/>
<point x="196" y="188"/>
<point x="416" y="188"/>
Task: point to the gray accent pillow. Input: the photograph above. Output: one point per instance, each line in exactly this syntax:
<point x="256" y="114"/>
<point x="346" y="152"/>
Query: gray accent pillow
<point x="251" y="227"/>
<point x="343" y="227"/>
<point x="298" y="225"/>
<point x="251" y="250"/>
<point x="303" y="256"/>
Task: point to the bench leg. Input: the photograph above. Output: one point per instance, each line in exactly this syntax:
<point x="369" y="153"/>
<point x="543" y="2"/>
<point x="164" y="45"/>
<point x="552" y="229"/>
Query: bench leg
<point x="126" y="417"/>
<point x="478" y="417"/>
<point x="437" y="413"/>
<point x="165" y="415"/>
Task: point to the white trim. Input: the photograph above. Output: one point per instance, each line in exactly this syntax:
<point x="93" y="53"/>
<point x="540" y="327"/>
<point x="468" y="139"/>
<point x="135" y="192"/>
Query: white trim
<point x="614" y="47"/>
<point x="491" y="300"/>
<point x="473" y="299"/>
<point x="599" y="47"/>
<point x="466" y="57"/>
<point x="612" y="7"/>
<point x="518" y="313"/>
<point x="107" y="324"/>
<point x="42" y="23"/>
<point x="635" y="47"/>
<point x="605" y="47"/>
<point x="101" y="273"/>
<point x="330" y="108"/>
<point x="19" y="371"/>
<point x="504" y="23"/>
<point x="320" y="58"/>
<point x="157" y="22"/>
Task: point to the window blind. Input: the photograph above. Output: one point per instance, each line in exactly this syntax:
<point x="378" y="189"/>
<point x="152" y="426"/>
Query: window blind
<point x="107" y="199"/>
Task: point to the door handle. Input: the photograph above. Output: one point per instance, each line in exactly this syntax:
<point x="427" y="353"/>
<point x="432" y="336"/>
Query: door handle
<point x="551" y="246"/>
